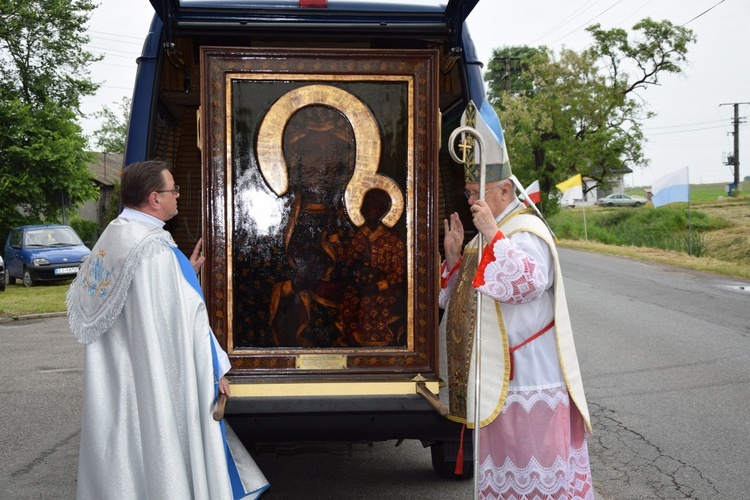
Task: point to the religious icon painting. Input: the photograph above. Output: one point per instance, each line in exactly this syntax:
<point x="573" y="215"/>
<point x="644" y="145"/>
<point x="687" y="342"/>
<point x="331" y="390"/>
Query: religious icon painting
<point x="320" y="178"/>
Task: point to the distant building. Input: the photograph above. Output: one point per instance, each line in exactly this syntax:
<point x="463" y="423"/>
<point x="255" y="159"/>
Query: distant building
<point x="106" y="172"/>
<point x="616" y="184"/>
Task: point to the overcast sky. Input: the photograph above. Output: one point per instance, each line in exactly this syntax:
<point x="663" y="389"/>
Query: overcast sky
<point x="692" y="127"/>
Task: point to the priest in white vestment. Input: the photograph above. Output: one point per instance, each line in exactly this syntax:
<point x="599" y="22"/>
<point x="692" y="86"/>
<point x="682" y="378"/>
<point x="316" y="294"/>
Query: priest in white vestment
<point x="152" y="366"/>
<point x="533" y="415"/>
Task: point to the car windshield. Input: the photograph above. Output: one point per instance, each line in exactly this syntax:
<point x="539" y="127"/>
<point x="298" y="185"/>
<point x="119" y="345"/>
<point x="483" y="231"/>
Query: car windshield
<point x="52" y="237"/>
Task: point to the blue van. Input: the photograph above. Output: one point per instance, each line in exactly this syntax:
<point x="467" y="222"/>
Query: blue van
<point x="43" y="253"/>
<point x="309" y="139"/>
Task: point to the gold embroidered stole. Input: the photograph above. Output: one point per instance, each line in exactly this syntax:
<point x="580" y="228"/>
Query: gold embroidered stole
<point x="460" y="328"/>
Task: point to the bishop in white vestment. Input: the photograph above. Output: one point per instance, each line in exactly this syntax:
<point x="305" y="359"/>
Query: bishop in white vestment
<point x="533" y="415"/>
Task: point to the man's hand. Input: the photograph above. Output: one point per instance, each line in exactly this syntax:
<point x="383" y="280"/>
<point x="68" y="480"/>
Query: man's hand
<point x="483" y="219"/>
<point x="196" y="259"/>
<point x="453" y="240"/>
<point x="224" y="386"/>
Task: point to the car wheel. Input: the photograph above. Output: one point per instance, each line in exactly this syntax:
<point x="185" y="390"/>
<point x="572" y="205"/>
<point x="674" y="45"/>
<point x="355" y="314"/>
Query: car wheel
<point x="610" y="204"/>
<point x="2" y="282"/>
<point x="27" y="281"/>
<point x="445" y="468"/>
<point x="637" y="204"/>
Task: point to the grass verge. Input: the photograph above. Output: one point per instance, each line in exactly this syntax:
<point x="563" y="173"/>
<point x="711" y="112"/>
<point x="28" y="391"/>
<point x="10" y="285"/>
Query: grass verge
<point x="18" y="300"/>
<point x="712" y="235"/>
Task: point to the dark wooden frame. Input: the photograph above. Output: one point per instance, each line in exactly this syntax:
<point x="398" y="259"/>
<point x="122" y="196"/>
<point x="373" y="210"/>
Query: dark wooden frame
<point x="219" y="67"/>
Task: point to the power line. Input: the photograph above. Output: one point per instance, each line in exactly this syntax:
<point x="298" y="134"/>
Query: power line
<point x="699" y="15"/>
<point x="684" y="131"/>
<point x="118" y="41"/>
<point x="685" y="125"/>
<point x="587" y="22"/>
<point x="633" y="13"/>
<point x="117" y="34"/>
<point x="106" y="50"/>
<point x="566" y="20"/>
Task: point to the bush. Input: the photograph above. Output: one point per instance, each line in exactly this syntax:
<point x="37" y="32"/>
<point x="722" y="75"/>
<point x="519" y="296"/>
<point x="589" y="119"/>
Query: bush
<point x="667" y="228"/>
<point x="88" y="231"/>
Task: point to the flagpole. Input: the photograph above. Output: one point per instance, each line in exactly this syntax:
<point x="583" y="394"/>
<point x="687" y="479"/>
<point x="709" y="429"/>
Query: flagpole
<point x="585" y="226"/>
<point x="529" y="201"/>
<point x="690" y="218"/>
<point x="477" y="345"/>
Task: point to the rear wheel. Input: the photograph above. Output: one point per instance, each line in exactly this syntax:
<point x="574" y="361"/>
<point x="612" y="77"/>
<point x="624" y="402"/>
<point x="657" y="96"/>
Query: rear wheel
<point x="2" y="282"/>
<point x="27" y="280"/>
<point x="444" y="460"/>
<point x="610" y="204"/>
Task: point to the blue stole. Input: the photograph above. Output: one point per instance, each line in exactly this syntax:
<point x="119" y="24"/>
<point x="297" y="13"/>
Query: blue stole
<point x="238" y="490"/>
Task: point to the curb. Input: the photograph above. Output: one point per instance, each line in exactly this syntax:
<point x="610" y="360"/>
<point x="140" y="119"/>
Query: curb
<point x="34" y="316"/>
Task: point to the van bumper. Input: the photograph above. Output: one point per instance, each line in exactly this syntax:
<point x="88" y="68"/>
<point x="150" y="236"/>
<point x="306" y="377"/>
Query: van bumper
<point x="328" y="418"/>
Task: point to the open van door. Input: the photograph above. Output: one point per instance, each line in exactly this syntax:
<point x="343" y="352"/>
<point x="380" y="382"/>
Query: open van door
<point x="309" y="140"/>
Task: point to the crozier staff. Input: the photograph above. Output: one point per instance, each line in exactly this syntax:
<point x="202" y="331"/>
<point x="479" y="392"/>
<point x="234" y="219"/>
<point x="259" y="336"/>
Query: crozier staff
<point x="532" y="409"/>
<point x="152" y="366"/>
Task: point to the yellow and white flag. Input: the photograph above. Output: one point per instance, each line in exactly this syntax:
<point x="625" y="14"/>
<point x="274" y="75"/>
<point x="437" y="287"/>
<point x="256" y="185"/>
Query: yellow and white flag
<point x="572" y="188"/>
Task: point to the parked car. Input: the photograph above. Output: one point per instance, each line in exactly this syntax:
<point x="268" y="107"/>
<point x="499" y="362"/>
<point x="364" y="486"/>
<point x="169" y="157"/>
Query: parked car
<point x="2" y="275"/>
<point x="620" y="200"/>
<point x="44" y="253"/>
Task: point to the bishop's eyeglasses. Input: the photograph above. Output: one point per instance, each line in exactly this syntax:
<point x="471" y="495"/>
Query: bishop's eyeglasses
<point x="469" y="194"/>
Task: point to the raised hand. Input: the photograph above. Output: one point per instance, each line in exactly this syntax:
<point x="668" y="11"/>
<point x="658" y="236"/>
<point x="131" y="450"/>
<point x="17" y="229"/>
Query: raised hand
<point x="453" y="240"/>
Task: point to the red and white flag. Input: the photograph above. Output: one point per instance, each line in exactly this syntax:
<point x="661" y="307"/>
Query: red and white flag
<point x="533" y="191"/>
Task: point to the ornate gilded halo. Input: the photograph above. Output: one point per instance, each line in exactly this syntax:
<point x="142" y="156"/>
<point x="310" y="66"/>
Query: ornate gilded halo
<point x="366" y="135"/>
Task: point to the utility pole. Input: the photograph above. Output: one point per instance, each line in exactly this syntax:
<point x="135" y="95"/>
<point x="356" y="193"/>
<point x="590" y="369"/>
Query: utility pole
<point x="509" y="69"/>
<point x="735" y="159"/>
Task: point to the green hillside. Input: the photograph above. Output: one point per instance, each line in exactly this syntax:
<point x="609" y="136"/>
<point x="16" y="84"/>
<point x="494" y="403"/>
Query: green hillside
<point x="712" y="229"/>
<point x="698" y="192"/>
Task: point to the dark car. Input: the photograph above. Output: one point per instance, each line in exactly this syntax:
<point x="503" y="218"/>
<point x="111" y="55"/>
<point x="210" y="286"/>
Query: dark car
<point x="2" y="275"/>
<point x="44" y="253"/>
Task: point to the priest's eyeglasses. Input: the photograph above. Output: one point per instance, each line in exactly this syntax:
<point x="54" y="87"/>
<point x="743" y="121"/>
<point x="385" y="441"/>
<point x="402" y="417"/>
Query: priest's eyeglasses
<point x="176" y="190"/>
<point x="475" y="194"/>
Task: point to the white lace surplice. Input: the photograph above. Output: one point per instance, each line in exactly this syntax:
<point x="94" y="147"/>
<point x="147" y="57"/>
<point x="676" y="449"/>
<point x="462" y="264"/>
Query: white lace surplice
<point x="536" y="448"/>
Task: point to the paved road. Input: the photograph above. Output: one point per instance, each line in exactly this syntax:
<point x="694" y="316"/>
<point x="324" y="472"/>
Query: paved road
<point x="40" y="385"/>
<point x="664" y="354"/>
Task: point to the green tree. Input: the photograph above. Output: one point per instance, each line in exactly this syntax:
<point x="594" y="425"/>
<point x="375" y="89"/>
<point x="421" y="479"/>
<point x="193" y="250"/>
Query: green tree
<point x="578" y="112"/>
<point x="43" y="75"/>
<point x="111" y="135"/>
<point x="508" y="72"/>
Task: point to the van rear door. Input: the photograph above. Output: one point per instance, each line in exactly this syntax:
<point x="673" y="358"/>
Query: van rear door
<point x="428" y="17"/>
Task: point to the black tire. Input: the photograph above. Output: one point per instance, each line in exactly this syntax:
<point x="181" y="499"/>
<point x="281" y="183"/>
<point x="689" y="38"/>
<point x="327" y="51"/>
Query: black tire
<point x="27" y="279"/>
<point x="610" y="204"/>
<point x="2" y="282"/>
<point x="446" y="468"/>
<point x="637" y="204"/>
